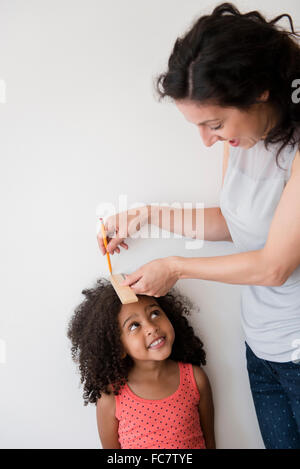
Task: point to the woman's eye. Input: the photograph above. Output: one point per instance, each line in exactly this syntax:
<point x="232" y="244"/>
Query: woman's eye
<point x="217" y="128"/>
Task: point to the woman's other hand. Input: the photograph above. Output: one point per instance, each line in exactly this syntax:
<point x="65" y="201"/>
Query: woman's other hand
<point x="121" y="226"/>
<point x="155" y="278"/>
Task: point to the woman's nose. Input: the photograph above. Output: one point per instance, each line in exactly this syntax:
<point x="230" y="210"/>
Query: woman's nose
<point x="207" y="137"/>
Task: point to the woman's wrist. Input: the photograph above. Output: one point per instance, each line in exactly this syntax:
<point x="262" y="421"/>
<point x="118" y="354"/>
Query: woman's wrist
<point x="176" y="265"/>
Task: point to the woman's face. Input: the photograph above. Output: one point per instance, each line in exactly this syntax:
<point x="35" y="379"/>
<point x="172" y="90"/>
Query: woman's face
<point x="240" y="128"/>
<point x="146" y="332"/>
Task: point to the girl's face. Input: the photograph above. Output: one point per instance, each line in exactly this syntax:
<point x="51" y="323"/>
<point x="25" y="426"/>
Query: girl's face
<point x="146" y="332"/>
<point x="240" y="128"/>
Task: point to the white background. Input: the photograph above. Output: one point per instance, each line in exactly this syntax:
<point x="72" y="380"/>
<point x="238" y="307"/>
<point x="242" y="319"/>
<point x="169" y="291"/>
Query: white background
<point x="80" y="127"/>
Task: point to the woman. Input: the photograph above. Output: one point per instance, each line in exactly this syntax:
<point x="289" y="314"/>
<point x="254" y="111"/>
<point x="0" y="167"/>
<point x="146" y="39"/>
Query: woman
<point x="232" y="75"/>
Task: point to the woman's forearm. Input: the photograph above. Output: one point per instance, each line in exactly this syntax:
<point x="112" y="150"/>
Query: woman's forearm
<point x="246" y="268"/>
<point x="207" y="224"/>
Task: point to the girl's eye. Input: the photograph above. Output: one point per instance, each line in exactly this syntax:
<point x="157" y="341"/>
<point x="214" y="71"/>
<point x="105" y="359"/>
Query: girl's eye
<point x="133" y="326"/>
<point x="155" y="312"/>
<point x="217" y="128"/>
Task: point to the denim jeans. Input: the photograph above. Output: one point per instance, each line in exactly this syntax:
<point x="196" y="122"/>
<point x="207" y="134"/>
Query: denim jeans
<point x="275" y="390"/>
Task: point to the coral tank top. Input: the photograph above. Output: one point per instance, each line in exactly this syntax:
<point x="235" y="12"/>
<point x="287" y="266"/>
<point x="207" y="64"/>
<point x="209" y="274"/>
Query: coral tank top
<point x="172" y="422"/>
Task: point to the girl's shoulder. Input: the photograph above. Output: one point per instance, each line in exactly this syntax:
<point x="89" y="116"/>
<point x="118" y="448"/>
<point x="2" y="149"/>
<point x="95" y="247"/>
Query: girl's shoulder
<point x="106" y="408"/>
<point x="106" y="399"/>
<point x="200" y="378"/>
<point x="107" y="402"/>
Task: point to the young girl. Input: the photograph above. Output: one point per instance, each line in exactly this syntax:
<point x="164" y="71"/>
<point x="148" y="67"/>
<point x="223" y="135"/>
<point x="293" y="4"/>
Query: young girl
<point x="140" y="364"/>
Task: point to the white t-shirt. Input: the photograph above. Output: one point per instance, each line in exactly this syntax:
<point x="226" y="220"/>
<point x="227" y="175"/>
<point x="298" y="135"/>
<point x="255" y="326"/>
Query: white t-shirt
<point x="252" y="188"/>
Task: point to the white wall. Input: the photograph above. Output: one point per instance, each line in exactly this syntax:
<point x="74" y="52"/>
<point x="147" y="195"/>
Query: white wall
<point x="80" y="126"/>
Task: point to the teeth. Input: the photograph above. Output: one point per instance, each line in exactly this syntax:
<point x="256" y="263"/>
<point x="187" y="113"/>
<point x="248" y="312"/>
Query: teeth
<point x="156" y="342"/>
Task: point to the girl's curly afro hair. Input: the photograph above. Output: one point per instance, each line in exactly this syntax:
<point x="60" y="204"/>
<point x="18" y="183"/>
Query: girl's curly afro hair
<point x="96" y="345"/>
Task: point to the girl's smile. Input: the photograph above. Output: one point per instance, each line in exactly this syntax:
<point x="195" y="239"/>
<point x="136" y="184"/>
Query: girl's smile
<point x="157" y="343"/>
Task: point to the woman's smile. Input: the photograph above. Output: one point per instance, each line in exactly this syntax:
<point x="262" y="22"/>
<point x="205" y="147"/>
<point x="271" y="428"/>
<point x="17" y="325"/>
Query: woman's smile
<point x="234" y="142"/>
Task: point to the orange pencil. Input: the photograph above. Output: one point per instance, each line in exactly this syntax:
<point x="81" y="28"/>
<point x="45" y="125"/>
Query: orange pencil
<point x="105" y="244"/>
<point x="125" y="293"/>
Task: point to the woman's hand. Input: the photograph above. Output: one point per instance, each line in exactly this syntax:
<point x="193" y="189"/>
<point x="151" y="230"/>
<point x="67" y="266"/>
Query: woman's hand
<point x="155" y="278"/>
<point x="121" y="226"/>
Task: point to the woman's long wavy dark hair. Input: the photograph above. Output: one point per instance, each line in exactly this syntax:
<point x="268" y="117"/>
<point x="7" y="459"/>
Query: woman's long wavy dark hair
<point x="95" y="336"/>
<point x="229" y="59"/>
